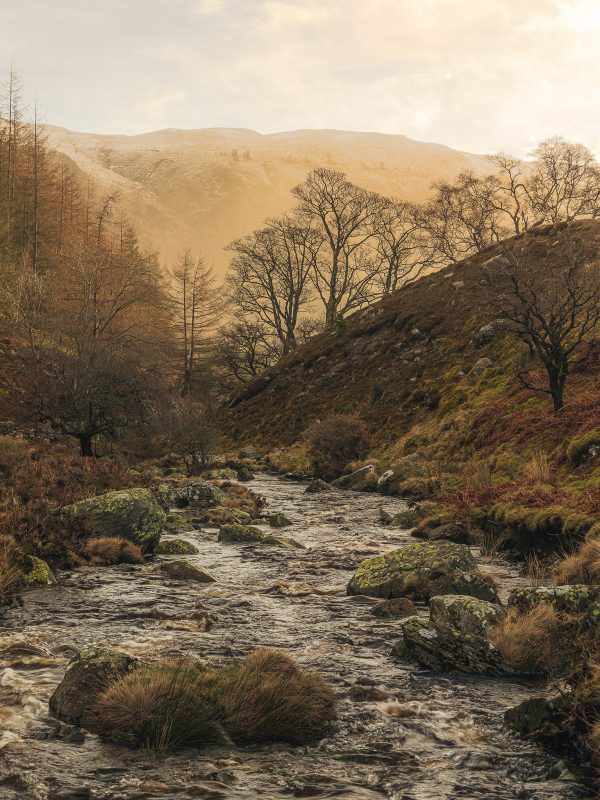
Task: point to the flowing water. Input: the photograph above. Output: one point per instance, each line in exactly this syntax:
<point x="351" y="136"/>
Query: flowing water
<point x="403" y="732"/>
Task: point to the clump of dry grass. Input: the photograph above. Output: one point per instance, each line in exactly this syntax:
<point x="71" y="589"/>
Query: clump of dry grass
<point x="265" y="697"/>
<point x="581" y="567"/>
<point x="530" y="643"/>
<point x="535" y="570"/>
<point x="241" y="497"/>
<point x="269" y="698"/>
<point x="538" y="469"/>
<point x="11" y="574"/>
<point x="478" y="475"/>
<point x="160" y="707"/>
<point x="107" y="550"/>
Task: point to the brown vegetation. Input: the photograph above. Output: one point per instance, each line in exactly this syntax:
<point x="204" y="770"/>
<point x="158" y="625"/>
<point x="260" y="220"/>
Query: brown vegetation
<point x="581" y="567"/>
<point x="107" y="550"/>
<point x="530" y="643"/>
<point x="333" y="443"/>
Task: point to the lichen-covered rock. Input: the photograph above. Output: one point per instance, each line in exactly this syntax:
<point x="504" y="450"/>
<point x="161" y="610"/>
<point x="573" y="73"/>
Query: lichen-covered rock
<point x="244" y="474"/>
<point x="467" y="615"/>
<point x="452" y="531"/>
<point x="131" y="513"/>
<point x="164" y="496"/>
<point x="403" y="519"/>
<point x="175" y="547"/>
<point x="415" y="569"/>
<point x="356" y="479"/>
<point x="86" y="677"/>
<point x="455" y="637"/>
<point x="198" y="494"/>
<point x="182" y="570"/>
<point x="38" y="573"/>
<point x="221" y="515"/>
<point x="574" y="599"/>
<point x="240" y="533"/>
<point x="396" y="608"/>
<point x="278" y="520"/>
<point x="282" y="541"/>
<point x="316" y="486"/>
<point x="536" y="715"/>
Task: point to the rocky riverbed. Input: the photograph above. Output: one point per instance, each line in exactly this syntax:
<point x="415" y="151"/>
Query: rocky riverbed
<point x="403" y="732"/>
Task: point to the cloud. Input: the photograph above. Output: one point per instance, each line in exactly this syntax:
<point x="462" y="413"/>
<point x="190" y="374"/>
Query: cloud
<point x="480" y="76"/>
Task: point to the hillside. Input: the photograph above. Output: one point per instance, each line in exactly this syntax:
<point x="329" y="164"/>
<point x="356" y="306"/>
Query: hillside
<point x="203" y="188"/>
<point x="408" y="368"/>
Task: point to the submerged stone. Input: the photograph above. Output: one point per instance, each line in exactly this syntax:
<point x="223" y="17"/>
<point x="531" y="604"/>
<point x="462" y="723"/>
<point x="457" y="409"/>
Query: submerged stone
<point x="175" y="547"/>
<point x="240" y="533"/>
<point x="182" y="570"/>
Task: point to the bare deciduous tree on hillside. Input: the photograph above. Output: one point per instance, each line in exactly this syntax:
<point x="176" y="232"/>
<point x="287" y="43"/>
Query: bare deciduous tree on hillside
<point x="553" y="310"/>
<point x="399" y="244"/>
<point x="345" y="272"/>
<point x="244" y="350"/>
<point x="512" y="196"/>
<point x="565" y="183"/>
<point x="270" y="271"/>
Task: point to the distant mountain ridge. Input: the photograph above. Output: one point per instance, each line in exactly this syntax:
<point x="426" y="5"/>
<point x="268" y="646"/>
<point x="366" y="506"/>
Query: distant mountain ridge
<point x="202" y="188"/>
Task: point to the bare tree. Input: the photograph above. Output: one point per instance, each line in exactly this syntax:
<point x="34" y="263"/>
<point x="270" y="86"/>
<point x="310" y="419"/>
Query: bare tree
<point x="553" y="310"/>
<point x="565" y="183"/>
<point x="193" y="431"/>
<point x="513" y="194"/>
<point x="344" y="274"/>
<point x="269" y="274"/>
<point x="244" y="350"/>
<point x="399" y="244"/>
<point x="462" y="217"/>
<point x="197" y="306"/>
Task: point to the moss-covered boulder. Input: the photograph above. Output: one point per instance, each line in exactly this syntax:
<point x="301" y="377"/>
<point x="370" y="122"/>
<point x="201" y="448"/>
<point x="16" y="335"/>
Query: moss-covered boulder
<point x="37" y="573"/>
<point x="575" y="599"/>
<point x="240" y="533"/>
<point x="357" y="479"/>
<point x="537" y="715"/>
<point x="198" y="494"/>
<point x="221" y="515"/>
<point x="278" y="520"/>
<point x="317" y="486"/>
<point x="164" y="496"/>
<point x="133" y="514"/>
<point x="175" y="547"/>
<point x="422" y="570"/>
<point x="451" y="531"/>
<point x="403" y="519"/>
<point x="87" y="675"/>
<point x="455" y="637"/>
<point x="182" y="570"/>
<point x="282" y="541"/>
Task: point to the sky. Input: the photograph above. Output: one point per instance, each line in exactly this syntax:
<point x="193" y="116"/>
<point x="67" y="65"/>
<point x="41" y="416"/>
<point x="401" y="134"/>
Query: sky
<point x="478" y="75"/>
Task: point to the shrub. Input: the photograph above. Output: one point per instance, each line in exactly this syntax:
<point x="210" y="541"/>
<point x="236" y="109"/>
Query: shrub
<point x="161" y="707"/>
<point x="530" y="643"/>
<point x="267" y="697"/>
<point x="106" y="550"/>
<point x="581" y="567"/>
<point x="333" y="443"/>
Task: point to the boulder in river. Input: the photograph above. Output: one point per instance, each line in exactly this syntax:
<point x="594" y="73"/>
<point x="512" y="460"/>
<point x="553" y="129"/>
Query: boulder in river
<point x="175" y="547"/>
<point x="133" y="514"/>
<point x="87" y="675"/>
<point x="198" y="494"/>
<point x="182" y="570"/>
<point x="282" y="541"/>
<point x="402" y="519"/>
<point x="222" y="515"/>
<point x="38" y="573"/>
<point x="422" y="570"/>
<point x="356" y="479"/>
<point x="452" y="531"/>
<point x="537" y="714"/>
<point x="278" y="520"/>
<point x="240" y="533"/>
<point x="316" y="486"/>
<point x="455" y="637"/>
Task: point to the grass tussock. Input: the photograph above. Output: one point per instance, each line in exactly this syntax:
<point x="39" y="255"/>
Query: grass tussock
<point x="11" y="574"/>
<point x="581" y="567"/>
<point x="108" y="550"/>
<point x="530" y="643"/>
<point x="242" y="498"/>
<point x="264" y="697"/>
<point x="538" y="469"/>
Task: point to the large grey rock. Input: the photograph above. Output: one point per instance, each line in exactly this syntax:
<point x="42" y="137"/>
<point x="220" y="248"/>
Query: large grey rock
<point x="422" y="570"/>
<point x="480" y="367"/>
<point x="455" y="637"/>
<point x="356" y="479"/>
<point x="535" y="714"/>
<point x="198" y="494"/>
<point x="317" y="486"/>
<point x="87" y="675"/>
<point x="133" y="514"/>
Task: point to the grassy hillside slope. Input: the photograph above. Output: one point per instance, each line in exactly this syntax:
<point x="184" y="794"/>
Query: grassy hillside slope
<point x="408" y="367"/>
<point x="203" y="188"/>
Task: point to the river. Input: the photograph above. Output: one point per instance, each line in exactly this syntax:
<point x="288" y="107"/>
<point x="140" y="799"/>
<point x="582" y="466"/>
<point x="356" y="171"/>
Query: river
<point x="403" y="732"/>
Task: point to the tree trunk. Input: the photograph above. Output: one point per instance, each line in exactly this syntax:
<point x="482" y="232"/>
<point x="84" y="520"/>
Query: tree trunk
<point x="85" y="445"/>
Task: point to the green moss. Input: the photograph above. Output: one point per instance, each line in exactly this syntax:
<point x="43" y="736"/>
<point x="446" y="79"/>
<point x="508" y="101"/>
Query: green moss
<point x="39" y="573"/>
<point x="579" y="447"/>
<point x="240" y="533"/>
<point x="175" y="547"/>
